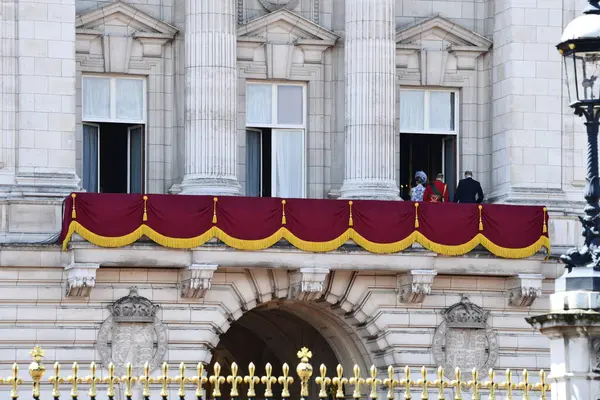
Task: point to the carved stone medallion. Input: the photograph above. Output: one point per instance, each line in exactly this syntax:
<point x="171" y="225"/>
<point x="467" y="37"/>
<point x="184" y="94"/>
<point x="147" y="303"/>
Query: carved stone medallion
<point x="132" y="334"/>
<point x="465" y="340"/>
<point x="274" y="5"/>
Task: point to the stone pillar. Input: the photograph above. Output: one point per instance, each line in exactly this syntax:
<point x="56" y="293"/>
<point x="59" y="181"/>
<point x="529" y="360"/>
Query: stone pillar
<point x="210" y="98"/>
<point x="370" y="48"/>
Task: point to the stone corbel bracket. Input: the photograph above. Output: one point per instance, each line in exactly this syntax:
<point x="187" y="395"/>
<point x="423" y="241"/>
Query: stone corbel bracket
<point x="414" y="285"/>
<point x="307" y="284"/>
<point x="523" y="289"/>
<point x="81" y="278"/>
<point x="196" y="280"/>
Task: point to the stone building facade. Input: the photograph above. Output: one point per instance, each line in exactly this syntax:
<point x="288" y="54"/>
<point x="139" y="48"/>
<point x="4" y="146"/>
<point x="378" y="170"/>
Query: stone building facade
<point x="288" y="98"/>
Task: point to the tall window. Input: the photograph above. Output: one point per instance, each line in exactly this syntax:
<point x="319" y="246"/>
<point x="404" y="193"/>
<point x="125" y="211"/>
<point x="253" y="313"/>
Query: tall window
<point x="428" y="136"/>
<point x="275" y="140"/>
<point x="114" y="118"/>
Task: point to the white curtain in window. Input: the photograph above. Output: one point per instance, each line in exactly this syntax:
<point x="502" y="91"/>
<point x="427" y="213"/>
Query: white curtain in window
<point x="90" y="157"/>
<point x="253" y="163"/>
<point x="130" y="99"/>
<point x="136" y="160"/>
<point x="290" y="105"/>
<point x="412" y="112"/>
<point x="96" y="98"/>
<point x="441" y="111"/>
<point x="259" y="101"/>
<point x="288" y="147"/>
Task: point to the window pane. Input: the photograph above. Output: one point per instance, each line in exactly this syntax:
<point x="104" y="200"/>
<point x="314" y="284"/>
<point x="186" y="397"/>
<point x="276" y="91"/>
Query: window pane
<point x="130" y="99"/>
<point x="289" y="152"/>
<point x="290" y="110"/>
<point x="96" y="98"/>
<point x="136" y="160"/>
<point x="253" y="163"/>
<point x="90" y="158"/>
<point x="259" y="104"/>
<point x="441" y="111"/>
<point x="412" y="113"/>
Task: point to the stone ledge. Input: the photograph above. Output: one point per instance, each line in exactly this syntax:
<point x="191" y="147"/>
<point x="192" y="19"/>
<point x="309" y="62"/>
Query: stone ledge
<point x="81" y="278"/>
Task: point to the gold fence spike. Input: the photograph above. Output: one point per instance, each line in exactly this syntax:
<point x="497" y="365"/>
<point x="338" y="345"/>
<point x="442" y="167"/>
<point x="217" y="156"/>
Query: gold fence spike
<point x="14" y="381"/>
<point x="475" y="384"/>
<point x="542" y="386"/>
<point x="145" y="380"/>
<point x="56" y="380"/>
<point x="423" y="384"/>
<point x="182" y="380"/>
<point x="458" y="384"/>
<point x="373" y="381"/>
<point x="251" y="380"/>
<point x="356" y="381"/>
<point x="216" y="380"/>
<point x="339" y="382"/>
<point x="268" y="380"/>
<point x="129" y="380"/>
<point x="304" y="370"/>
<point x="492" y="385"/>
<point x="164" y="380"/>
<point x="111" y="379"/>
<point x="323" y="381"/>
<point x="93" y="380"/>
<point x="199" y="380"/>
<point x="390" y="382"/>
<point x="234" y="380"/>
<point x="36" y="370"/>
<point x="525" y="386"/>
<point x="508" y="385"/>
<point x="440" y="384"/>
<point x="74" y="380"/>
<point x="406" y="382"/>
<point x="285" y="380"/>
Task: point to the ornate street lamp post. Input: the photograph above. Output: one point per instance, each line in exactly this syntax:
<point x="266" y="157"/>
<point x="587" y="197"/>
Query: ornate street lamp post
<point x="573" y="324"/>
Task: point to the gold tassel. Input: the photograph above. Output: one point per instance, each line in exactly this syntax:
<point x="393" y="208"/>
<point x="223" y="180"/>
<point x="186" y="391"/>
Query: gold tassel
<point x="350" y="221"/>
<point x="416" y="215"/>
<point x="73" y="212"/>
<point x="545" y="228"/>
<point x="214" y="220"/>
<point x="283" y="219"/>
<point x="145" y="216"/>
<point x="480" y="220"/>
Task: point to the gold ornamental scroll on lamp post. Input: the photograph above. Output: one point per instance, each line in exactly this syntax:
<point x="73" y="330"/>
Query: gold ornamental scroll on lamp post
<point x="398" y="384"/>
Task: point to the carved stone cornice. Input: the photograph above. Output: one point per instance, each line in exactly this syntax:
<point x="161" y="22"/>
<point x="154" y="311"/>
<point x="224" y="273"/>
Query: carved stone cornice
<point x="196" y="280"/>
<point x="81" y="278"/>
<point x="414" y="285"/>
<point x="307" y="284"/>
<point x="523" y="289"/>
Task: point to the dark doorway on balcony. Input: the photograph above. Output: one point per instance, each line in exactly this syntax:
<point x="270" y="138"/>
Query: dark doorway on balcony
<point x="430" y="153"/>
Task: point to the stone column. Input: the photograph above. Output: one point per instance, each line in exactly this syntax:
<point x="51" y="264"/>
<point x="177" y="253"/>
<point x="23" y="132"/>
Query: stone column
<point x="210" y="98"/>
<point x="370" y="52"/>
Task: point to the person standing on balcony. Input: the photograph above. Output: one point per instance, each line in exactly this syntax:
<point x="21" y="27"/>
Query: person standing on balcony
<point x="437" y="192"/>
<point x="468" y="190"/>
<point x="417" y="192"/>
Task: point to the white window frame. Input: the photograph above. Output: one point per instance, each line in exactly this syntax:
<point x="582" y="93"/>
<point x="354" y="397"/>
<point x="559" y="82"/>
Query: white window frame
<point x="275" y="126"/>
<point x="97" y="126"/>
<point x="427" y="109"/>
<point x="129" y="129"/>
<point x="113" y="99"/>
<point x="260" y="187"/>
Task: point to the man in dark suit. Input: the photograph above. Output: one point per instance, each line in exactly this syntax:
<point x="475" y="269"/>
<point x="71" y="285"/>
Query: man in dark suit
<point x="468" y="190"/>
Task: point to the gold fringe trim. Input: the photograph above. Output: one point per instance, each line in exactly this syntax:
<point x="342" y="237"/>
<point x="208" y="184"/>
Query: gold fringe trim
<point x="480" y="220"/>
<point x="73" y="212"/>
<point x="214" y="219"/>
<point x="545" y="227"/>
<point x="145" y="216"/>
<point x="315" y="247"/>
<point x="283" y="219"/>
<point x="416" y="215"/>
<point x="350" y="221"/>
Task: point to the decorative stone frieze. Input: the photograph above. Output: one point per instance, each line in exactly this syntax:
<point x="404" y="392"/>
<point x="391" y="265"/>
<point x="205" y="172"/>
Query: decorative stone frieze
<point x="307" y="284"/>
<point x="414" y="285"/>
<point x="133" y="333"/>
<point x="81" y="279"/>
<point x="464" y="339"/>
<point x="523" y="289"/>
<point x="196" y="280"/>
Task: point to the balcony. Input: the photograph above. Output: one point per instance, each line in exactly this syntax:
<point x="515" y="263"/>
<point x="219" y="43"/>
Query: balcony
<point x="300" y="226"/>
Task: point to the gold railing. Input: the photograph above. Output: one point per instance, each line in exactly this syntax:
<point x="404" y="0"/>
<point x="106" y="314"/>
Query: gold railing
<point x="200" y="386"/>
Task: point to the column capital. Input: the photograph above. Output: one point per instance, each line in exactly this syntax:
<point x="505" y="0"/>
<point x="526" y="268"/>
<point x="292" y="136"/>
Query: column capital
<point x="81" y="278"/>
<point x="523" y="289"/>
<point x="307" y="284"/>
<point x="196" y="280"/>
<point x="414" y="285"/>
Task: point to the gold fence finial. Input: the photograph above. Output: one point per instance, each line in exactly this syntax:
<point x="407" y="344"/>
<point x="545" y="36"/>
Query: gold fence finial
<point x="339" y="382"/>
<point x="285" y="381"/>
<point x="111" y="380"/>
<point x="268" y="380"/>
<point x="74" y="380"/>
<point x="36" y="370"/>
<point x="92" y="379"/>
<point x="542" y="386"/>
<point x="458" y="384"/>
<point x="216" y="380"/>
<point x="234" y="380"/>
<point x="475" y="384"/>
<point x="491" y="385"/>
<point x="145" y="380"/>
<point x="423" y="384"/>
<point x="440" y="384"/>
<point x="304" y="370"/>
<point x="525" y="386"/>
<point x="251" y="380"/>
<point x="373" y="381"/>
<point x="323" y="381"/>
<point x="182" y="380"/>
<point x="406" y="382"/>
<point x="164" y="380"/>
<point x="14" y="381"/>
<point x="390" y="382"/>
<point x="56" y="380"/>
<point x="129" y="380"/>
<point x="199" y="380"/>
<point x="356" y="381"/>
<point x="508" y="385"/>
